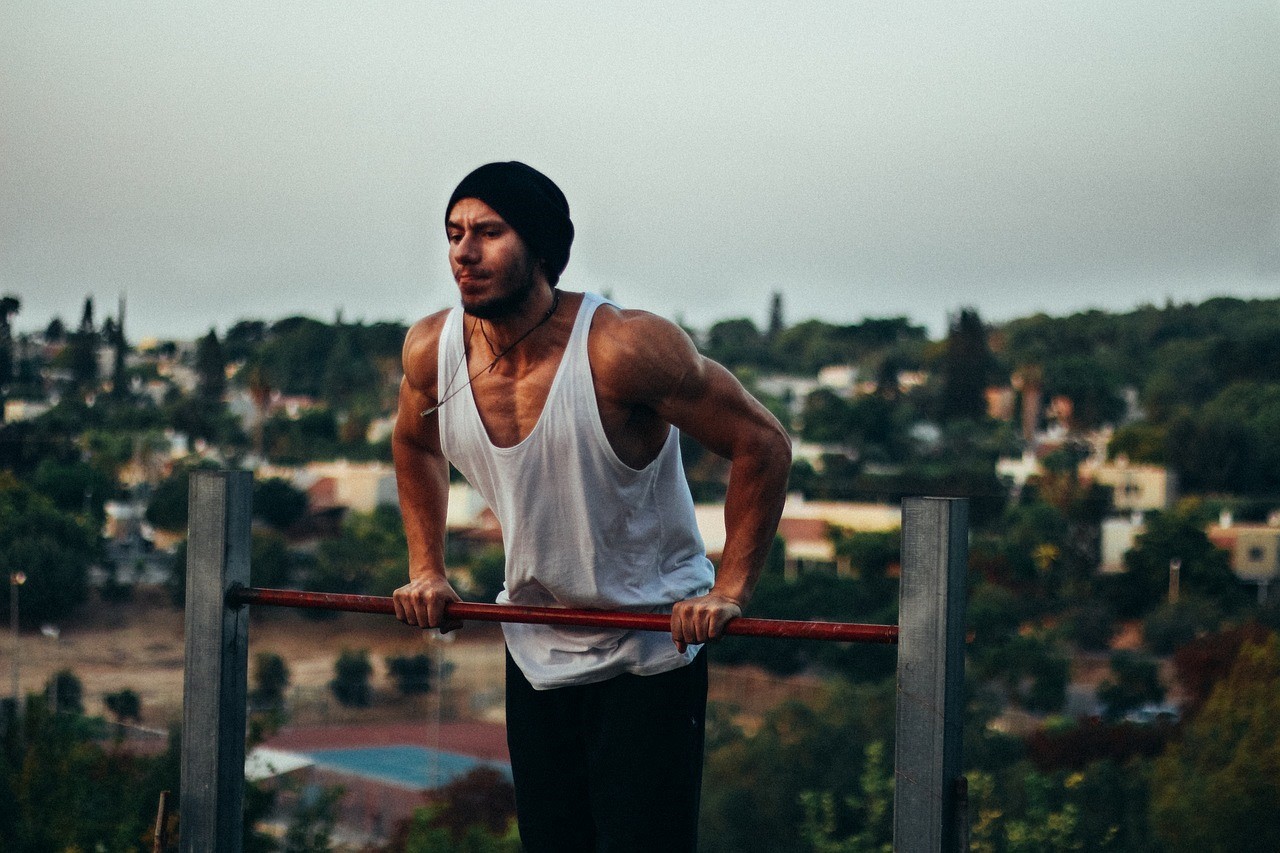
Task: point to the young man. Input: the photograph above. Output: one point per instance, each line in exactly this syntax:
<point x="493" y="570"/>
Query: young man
<point x="563" y="411"/>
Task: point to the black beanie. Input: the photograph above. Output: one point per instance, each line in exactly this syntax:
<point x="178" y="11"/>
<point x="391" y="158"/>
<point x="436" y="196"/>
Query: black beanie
<point x="530" y="203"/>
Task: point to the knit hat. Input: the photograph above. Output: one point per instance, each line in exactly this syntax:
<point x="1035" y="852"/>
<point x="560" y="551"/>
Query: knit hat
<point x="530" y="203"/>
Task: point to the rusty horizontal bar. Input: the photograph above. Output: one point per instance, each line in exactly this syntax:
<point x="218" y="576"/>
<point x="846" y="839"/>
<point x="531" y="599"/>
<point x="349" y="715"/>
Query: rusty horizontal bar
<point x="743" y="626"/>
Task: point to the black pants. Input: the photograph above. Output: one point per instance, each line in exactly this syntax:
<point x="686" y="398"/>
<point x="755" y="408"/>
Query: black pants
<point x="609" y="767"/>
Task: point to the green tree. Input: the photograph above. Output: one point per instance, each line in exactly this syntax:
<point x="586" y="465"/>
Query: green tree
<point x="350" y="684"/>
<point x="1171" y="626"/>
<point x="53" y="548"/>
<point x="75" y="486"/>
<point x="211" y="369"/>
<point x="66" y="691"/>
<point x="369" y="556"/>
<point x="60" y="789"/>
<point x="872" y="805"/>
<point x="311" y="829"/>
<point x="278" y="503"/>
<point x="124" y="705"/>
<point x="1134" y="681"/>
<point x="412" y="673"/>
<point x="270" y="680"/>
<point x="967" y="366"/>
<point x="736" y="343"/>
<point x="488" y="574"/>
<point x="1218" y="788"/>
<point x="1205" y="569"/>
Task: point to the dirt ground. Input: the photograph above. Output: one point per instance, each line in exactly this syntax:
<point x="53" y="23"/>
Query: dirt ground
<point x="139" y="645"/>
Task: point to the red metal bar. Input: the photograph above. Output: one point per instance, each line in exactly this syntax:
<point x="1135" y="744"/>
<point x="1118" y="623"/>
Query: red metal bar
<point x="742" y="626"/>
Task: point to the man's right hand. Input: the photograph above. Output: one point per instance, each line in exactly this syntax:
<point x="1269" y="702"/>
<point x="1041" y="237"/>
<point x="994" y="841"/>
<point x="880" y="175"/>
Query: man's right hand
<point x="422" y="601"/>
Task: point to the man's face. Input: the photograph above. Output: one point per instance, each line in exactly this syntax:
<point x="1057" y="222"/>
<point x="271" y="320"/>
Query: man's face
<point x="491" y="264"/>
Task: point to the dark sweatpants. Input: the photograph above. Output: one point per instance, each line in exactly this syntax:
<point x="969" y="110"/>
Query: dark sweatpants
<point x="612" y="766"/>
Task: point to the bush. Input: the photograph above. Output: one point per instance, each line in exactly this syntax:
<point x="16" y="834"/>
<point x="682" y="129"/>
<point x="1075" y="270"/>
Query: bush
<point x="1171" y="626"/>
<point x="412" y="673"/>
<point x="351" y="678"/>
<point x="271" y="677"/>
<point x="1092" y="625"/>
<point x="1134" y="681"/>
<point x="67" y="692"/>
<point x="124" y="705"/>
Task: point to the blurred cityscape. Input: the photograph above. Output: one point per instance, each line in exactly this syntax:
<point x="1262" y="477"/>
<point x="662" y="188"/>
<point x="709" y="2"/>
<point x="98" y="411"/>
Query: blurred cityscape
<point x="1123" y="666"/>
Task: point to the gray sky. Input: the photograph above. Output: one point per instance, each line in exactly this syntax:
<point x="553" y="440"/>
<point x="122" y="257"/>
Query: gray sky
<point x="216" y="161"/>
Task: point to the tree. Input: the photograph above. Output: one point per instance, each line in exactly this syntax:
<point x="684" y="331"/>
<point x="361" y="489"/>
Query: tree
<point x="1134" y="682"/>
<point x="75" y="486"/>
<point x="169" y="504"/>
<point x="1171" y="626"/>
<point x="270" y="679"/>
<point x="967" y="365"/>
<point x="736" y="343"/>
<point x="9" y="305"/>
<point x="412" y="673"/>
<point x="124" y="705"/>
<point x="56" y="331"/>
<point x="350" y="684"/>
<point x="67" y="692"/>
<point x="211" y="367"/>
<point x="1205" y="569"/>
<point x="313" y="821"/>
<point x="776" y="323"/>
<point x="1218" y="789"/>
<point x="53" y="548"/>
<point x="278" y="503"/>
<point x="64" y="791"/>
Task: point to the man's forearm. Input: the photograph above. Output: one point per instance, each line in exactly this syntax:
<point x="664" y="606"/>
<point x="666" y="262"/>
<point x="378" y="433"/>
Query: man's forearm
<point x="752" y="508"/>
<point x="422" y="480"/>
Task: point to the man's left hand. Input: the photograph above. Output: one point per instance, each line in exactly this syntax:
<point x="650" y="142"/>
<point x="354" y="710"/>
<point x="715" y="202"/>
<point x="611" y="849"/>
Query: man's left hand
<point x="697" y="620"/>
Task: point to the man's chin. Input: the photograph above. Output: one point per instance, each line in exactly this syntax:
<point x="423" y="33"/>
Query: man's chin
<point x="497" y="307"/>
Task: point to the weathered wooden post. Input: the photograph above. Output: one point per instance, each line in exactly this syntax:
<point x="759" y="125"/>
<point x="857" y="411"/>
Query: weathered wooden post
<point x="217" y="662"/>
<point x="935" y="534"/>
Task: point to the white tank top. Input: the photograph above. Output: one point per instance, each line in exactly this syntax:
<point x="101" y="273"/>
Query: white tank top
<point x="581" y="528"/>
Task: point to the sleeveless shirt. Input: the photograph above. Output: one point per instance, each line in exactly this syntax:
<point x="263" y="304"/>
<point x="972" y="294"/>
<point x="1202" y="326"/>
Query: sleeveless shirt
<point x="580" y="527"/>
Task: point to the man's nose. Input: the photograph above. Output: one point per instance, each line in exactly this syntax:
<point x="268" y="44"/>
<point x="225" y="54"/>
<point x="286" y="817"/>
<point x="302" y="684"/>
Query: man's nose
<point x="467" y="249"/>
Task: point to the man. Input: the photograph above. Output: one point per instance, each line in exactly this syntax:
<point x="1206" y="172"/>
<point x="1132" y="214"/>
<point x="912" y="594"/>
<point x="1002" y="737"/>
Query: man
<point x="563" y="411"/>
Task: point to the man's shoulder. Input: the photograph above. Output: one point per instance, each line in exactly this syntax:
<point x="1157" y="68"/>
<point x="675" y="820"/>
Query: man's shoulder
<point x="421" y="346"/>
<point x="627" y="328"/>
<point x="636" y="353"/>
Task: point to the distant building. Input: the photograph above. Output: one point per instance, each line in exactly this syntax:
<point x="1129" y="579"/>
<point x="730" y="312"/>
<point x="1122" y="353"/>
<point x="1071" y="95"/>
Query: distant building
<point x="806" y="529"/>
<point x="1254" y="550"/>
<point x="24" y="410"/>
<point x="1001" y="403"/>
<point x="1119" y="535"/>
<point x="839" y="378"/>
<point x="356" y="486"/>
<point x="1135" y="487"/>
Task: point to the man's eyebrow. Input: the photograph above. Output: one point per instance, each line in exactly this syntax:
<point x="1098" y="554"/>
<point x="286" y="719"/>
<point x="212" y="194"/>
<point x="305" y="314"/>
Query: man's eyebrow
<point x="490" y="222"/>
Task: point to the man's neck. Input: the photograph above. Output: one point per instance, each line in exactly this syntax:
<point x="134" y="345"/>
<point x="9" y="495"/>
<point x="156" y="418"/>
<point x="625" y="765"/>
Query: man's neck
<point x="502" y="333"/>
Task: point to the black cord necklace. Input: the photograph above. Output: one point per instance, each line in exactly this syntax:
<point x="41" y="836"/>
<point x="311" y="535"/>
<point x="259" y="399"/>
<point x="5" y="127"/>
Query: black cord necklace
<point x="449" y="394"/>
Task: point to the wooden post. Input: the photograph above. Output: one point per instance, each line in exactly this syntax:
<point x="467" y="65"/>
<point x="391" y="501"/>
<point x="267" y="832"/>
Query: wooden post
<point x="930" y="675"/>
<point x="217" y="662"/>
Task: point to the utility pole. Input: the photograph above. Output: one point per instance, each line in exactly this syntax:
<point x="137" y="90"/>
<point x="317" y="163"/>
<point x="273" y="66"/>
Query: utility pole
<point x="16" y="579"/>
<point x="1175" y="575"/>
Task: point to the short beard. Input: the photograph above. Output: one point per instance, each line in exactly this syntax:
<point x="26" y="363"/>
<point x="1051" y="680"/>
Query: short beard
<point x="506" y="305"/>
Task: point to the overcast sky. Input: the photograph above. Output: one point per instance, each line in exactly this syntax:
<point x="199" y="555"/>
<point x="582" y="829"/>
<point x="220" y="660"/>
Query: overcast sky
<point x="223" y="160"/>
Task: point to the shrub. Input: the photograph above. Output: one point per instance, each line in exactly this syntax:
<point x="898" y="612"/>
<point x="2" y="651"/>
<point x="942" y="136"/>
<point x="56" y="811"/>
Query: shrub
<point x="350" y="684"/>
<point x="412" y="673"/>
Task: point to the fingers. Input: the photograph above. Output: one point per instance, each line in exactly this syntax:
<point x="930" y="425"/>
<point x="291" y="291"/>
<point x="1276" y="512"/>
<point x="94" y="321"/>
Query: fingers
<point x="423" y="605"/>
<point x="700" y="620"/>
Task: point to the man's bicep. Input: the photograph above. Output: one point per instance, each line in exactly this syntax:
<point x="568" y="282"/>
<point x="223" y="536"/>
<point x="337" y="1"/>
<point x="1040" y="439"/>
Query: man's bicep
<point x="711" y="406"/>
<point x="413" y="427"/>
